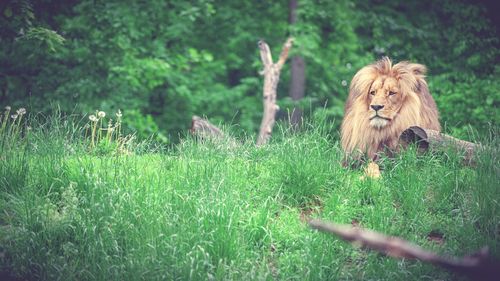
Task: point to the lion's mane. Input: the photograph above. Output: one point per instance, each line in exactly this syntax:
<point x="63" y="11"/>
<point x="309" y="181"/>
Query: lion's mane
<point x="417" y="108"/>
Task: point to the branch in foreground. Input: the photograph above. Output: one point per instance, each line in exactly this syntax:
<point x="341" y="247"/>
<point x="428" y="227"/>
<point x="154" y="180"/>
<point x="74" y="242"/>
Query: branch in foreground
<point x="271" y="78"/>
<point x="479" y="266"/>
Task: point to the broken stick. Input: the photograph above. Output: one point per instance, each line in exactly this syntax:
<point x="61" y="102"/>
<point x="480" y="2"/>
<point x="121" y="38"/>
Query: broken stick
<point x="479" y="266"/>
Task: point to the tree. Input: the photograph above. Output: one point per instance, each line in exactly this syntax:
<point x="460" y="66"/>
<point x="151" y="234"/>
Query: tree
<point x="298" y="75"/>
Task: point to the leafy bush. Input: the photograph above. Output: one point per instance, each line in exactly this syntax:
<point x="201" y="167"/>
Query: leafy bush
<point x="467" y="104"/>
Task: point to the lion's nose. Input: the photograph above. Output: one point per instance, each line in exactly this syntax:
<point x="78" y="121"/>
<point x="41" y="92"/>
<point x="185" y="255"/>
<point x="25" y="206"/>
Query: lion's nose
<point x="376" y="107"/>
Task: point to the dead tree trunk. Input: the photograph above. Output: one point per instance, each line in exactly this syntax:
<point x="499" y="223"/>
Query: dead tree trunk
<point x="479" y="266"/>
<point x="298" y="76"/>
<point x="430" y="139"/>
<point x="202" y="128"/>
<point x="271" y="74"/>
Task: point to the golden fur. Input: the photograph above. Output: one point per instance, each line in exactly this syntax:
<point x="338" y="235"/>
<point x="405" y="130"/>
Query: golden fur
<point x="384" y="100"/>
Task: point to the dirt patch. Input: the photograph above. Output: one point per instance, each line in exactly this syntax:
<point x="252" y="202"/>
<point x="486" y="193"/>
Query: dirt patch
<point x="436" y="236"/>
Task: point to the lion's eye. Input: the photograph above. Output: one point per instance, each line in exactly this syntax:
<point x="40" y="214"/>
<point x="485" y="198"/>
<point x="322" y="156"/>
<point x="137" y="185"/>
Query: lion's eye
<point x="392" y="93"/>
<point x="372" y="93"/>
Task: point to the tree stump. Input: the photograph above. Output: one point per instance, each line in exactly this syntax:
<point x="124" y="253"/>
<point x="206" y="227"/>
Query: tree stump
<point x="203" y="128"/>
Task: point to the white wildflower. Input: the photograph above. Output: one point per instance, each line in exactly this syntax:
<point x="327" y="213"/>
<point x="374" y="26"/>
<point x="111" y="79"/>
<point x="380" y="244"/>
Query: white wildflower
<point x="101" y="114"/>
<point x="21" y="111"/>
<point x="344" y="83"/>
<point x="13" y="116"/>
<point x="7" y="108"/>
<point x="93" y="118"/>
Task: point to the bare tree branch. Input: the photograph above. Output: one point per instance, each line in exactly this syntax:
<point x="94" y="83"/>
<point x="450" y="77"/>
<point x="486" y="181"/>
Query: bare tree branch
<point x="284" y="53"/>
<point x="265" y="54"/>
<point x="479" y="266"/>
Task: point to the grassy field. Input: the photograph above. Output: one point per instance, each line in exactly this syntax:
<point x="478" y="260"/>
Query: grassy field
<point x="204" y="210"/>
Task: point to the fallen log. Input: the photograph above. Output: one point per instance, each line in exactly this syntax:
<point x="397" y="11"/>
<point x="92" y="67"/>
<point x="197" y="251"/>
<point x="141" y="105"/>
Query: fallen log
<point x="271" y="74"/>
<point x="426" y="139"/>
<point x="479" y="266"/>
<point x="203" y="128"/>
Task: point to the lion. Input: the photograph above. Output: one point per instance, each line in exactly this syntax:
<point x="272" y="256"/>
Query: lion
<point x="384" y="100"/>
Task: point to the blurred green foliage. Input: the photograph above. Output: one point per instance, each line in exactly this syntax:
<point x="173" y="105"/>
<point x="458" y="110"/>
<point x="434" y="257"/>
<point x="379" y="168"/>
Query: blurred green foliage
<point x="164" y="61"/>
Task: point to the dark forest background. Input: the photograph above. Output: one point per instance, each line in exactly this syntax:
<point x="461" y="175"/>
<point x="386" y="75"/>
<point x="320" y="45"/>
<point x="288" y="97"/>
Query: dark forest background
<point x="161" y="62"/>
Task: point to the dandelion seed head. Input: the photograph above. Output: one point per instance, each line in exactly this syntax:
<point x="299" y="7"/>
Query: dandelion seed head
<point x="7" y="108"/>
<point x="13" y="116"/>
<point x="101" y="114"/>
<point x="344" y="83"/>
<point x="348" y="65"/>
<point x="21" y="111"/>
<point x="93" y="118"/>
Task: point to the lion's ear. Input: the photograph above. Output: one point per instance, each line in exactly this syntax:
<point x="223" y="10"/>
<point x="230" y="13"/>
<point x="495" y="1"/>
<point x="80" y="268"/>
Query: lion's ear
<point x="417" y="69"/>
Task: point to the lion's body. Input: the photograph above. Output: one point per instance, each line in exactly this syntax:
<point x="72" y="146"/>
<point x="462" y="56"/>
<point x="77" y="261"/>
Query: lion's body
<point x="383" y="101"/>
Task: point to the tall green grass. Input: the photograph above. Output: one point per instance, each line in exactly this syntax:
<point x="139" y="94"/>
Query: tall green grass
<point x="213" y="209"/>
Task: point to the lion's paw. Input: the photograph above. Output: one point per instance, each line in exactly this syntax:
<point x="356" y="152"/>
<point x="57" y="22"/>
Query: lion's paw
<point x="371" y="171"/>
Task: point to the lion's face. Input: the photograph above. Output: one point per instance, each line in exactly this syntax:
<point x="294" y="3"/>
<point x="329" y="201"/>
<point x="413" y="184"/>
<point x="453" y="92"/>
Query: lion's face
<point x="385" y="101"/>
